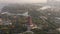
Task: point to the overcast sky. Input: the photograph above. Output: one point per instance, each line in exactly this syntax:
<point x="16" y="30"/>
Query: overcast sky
<point x="22" y="1"/>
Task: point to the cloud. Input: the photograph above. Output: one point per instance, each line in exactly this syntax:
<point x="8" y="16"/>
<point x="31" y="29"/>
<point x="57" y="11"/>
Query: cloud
<point x="23" y="1"/>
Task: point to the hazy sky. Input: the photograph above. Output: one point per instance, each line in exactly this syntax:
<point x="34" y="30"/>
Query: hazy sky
<point x="23" y="1"/>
